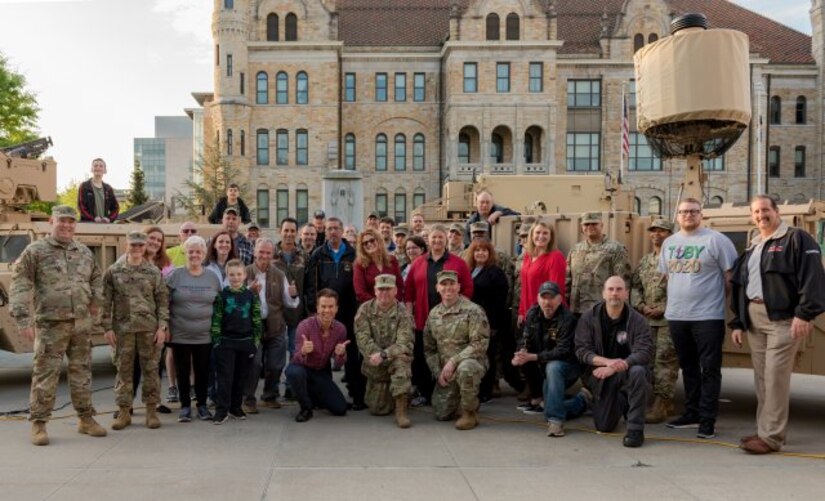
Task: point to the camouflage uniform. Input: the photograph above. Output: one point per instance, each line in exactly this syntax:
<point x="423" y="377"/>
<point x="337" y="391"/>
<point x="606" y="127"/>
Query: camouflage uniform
<point x="649" y="288"/>
<point x="459" y="333"/>
<point x="65" y="281"/>
<point x="390" y="332"/>
<point x="588" y="268"/>
<point x="135" y="306"/>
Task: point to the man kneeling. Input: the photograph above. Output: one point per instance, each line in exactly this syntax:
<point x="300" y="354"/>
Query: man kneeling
<point x="384" y="333"/>
<point x="614" y="342"/>
<point x="455" y="345"/>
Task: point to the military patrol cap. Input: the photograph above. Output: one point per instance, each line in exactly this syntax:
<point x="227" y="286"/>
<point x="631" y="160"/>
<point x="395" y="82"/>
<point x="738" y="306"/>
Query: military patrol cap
<point x="373" y="215"/>
<point x="479" y="227"/>
<point x="64" y="211"/>
<point x="457" y="227"/>
<point x="549" y="288"/>
<point x="524" y="230"/>
<point x="663" y="224"/>
<point x="591" y="217"/>
<point x="385" y="281"/>
<point x="446" y="275"/>
<point x="233" y="210"/>
<point x="136" y="237"/>
<point x="253" y="224"/>
<point x="400" y="230"/>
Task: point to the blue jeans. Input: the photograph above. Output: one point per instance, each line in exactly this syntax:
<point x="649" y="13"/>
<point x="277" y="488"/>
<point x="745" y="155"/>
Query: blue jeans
<point x="559" y="376"/>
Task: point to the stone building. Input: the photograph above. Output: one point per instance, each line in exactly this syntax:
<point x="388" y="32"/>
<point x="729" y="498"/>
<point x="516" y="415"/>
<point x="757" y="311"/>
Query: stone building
<point x="361" y="105"/>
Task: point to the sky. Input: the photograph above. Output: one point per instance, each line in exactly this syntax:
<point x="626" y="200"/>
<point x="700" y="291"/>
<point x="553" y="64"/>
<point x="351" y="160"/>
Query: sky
<point x="103" y="69"/>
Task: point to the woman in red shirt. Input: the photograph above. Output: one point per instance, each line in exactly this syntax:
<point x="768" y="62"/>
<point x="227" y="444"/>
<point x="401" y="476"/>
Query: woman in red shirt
<point x="542" y="262"/>
<point x="372" y="259"/>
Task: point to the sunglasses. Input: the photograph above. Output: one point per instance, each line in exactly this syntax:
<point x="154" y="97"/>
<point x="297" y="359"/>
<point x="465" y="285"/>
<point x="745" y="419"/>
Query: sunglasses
<point x="368" y="242"/>
<point x="189" y="232"/>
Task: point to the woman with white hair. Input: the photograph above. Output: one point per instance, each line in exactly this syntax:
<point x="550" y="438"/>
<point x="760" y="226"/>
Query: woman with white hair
<point x="192" y="290"/>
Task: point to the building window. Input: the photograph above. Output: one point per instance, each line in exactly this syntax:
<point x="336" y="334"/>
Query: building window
<point x="496" y="148"/>
<point x="291" y="27"/>
<point x="400" y="207"/>
<point x="493" y="27"/>
<point x="583" y="151"/>
<point x="637" y="205"/>
<point x="282" y="205"/>
<point x="381" y="87"/>
<point x="262" y="145"/>
<point x="229" y="65"/>
<point x="638" y="42"/>
<point x="281" y="88"/>
<point x="349" y="151"/>
<point x="262" y="201"/>
<point x="400" y="152"/>
<point x="381" y="152"/>
<point x="228" y="4"/>
<point x="776" y="110"/>
<point x="281" y="147"/>
<point x="301" y="147"/>
<point x="418" y="152"/>
<point x="400" y="86"/>
<point x="502" y="77"/>
<point x="717" y="164"/>
<point x="470" y="77"/>
<point x="272" y="34"/>
<point x="419" y="87"/>
<point x="799" y="162"/>
<point x="642" y="156"/>
<point x="512" y="26"/>
<point x="262" y="88"/>
<point x="349" y="87"/>
<point x="536" y="77"/>
<point x="717" y="200"/>
<point x="463" y="148"/>
<point x="302" y="88"/>
<point x="773" y="161"/>
<point x="654" y="206"/>
<point x="243" y="143"/>
<point x="302" y="206"/>
<point x="584" y="93"/>
<point x="242" y="83"/>
<point x="419" y="199"/>
<point x="381" y="204"/>
<point x="631" y="94"/>
<point x="801" y="110"/>
<point x="653" y="37"/>
<point x="229" y="142"/>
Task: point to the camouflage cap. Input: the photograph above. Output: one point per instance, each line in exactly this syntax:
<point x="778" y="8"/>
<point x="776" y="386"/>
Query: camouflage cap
<point x="479" y="227"/>
<point x="549" y="288"/>
<point x="253" y="224"/>
<point x="660" y="223"/>
<point x="457" y="227"/>
<point x="233" y="210"/>
<point x="372" y="215"/>
<point x="385" y="281"/>
<point x="64" y="211"/>
<point x="591" y="217"/>
<point x="136" y="237"/>
<point x="446" y="275"/>
<point x="400" y="230"/>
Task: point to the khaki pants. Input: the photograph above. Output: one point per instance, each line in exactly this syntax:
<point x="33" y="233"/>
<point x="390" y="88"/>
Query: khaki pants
<point x="773" y="353"/>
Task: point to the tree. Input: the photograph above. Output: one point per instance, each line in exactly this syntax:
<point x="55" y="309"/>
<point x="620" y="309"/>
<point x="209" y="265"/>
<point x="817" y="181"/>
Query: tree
<point x="68" y="195"/>
<point x="18" y="107"/>
<point x="211" y="174"/>
<point x="137" y="187"/>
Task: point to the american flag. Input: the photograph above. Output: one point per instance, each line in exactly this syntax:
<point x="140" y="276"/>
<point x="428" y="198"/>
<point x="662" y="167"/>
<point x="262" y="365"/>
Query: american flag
<point x="625" y="128"/>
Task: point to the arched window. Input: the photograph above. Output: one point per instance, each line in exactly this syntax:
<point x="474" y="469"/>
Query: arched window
<point x="774" y="153"/>
<point x="272" y="34"/>
<point x="262" y="88"/>
<point x="229" y="142"/>
<point x="638" y="42"/>
<point x="381" y="152"/>
<point x="291" y="27"/>
<point x="262" y="147"/>
<point x="776" y="110"/>
<point x="654" y="206"/>
<point x="717" y="200"/>
<point x="512" y="25"/>
<point x="349" y="152"/>
<point x="497" y="148"/>
<point x="418" y="152"/>
<point x="400" y="152"/>
<point x="653" y="37"/>
<point x="463" y="148"/>
<point x="243" y="142"/>
<point x="637" y="205"/>
<point x="302" y="88"/>
<point x="281" y="88"/>
<point x="493" y="27"/>
<point x="799" y="162"/>
<point x="801" y="110"/>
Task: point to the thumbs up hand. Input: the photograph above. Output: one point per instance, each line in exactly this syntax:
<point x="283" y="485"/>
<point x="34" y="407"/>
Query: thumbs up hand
<point x="306" y="346"/>
<point x="293" y="289"/>
<point x="341" y="348"/>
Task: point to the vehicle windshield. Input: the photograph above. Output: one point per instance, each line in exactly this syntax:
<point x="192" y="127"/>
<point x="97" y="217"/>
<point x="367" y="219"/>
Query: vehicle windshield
<point x="11" y="246"/>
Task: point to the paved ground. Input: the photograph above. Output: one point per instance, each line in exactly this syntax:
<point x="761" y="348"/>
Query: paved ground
<point x="360" y="457"/>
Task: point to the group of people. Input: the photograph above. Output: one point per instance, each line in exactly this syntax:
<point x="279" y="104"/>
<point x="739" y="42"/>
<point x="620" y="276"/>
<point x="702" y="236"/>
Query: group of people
<point x="425" y="315"/>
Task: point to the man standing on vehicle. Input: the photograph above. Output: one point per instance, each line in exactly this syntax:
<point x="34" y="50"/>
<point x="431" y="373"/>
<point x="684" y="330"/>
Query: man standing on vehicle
<point x="778" y="290"/>
<point x="62" y="277"/>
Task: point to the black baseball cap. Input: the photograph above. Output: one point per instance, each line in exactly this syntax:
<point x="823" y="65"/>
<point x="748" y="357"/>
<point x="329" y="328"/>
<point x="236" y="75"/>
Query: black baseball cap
<point x="549" y="288"/>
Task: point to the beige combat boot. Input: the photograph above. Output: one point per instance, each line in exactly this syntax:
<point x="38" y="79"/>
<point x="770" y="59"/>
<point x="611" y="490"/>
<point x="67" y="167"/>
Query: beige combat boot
<point x="88" y="426"/>
<point x="152" y="420"/>
<point x="39" y="435"/>
<point x="401" y="418"/>
<point x="123" y="419"/>
<point x="467" y="421"/>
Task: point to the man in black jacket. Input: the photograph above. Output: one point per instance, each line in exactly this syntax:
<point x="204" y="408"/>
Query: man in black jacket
<point x="548" y="361"/>
<point x="331" y="267"/>
<point x="614" y="342"/>
<point x="486" y="210"/>
<point x="232" y="199"/>
<point x="778" y="290"/>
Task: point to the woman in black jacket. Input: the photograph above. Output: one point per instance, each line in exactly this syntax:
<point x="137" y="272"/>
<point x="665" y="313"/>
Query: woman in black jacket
<point x="490" y="289"/>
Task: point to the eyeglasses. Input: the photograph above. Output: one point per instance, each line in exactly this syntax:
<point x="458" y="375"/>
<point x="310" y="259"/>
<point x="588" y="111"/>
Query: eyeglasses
<point x="368" y="242"/>
<point x="189" y="231"/>
<point x="691" y="212"/>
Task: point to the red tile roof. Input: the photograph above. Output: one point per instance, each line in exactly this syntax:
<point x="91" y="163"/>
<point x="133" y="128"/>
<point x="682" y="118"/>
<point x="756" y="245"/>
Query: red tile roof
<point x="397" y="23"/>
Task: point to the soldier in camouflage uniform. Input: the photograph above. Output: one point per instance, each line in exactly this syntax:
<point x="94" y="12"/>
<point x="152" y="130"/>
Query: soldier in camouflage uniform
<point x="455" y="240"/>
<point x="455" y="345"/>
<point x="649" y="297"/>
<point x="591" y="262"/>
<point x="62" y="278"/>
<point x="135" y="318"/>
<point x="399" y="234"/>
<point x="384" y="334"/>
